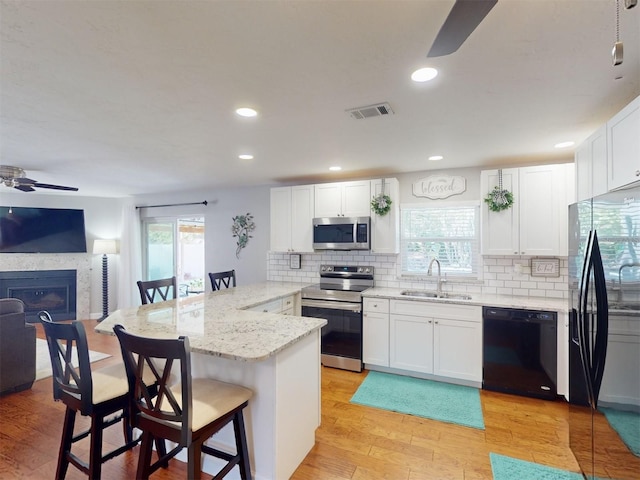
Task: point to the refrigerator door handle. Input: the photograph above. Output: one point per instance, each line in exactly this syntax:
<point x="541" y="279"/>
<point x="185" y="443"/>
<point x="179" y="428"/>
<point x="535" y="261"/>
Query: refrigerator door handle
<point x="583" y="321"/>
<point x="602" y="320"/>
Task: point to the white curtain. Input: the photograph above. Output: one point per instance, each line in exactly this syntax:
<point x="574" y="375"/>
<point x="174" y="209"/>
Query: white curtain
<point x="130" y="270"/>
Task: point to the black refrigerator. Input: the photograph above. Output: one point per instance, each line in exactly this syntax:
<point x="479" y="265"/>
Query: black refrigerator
<point x="604" y="335"/>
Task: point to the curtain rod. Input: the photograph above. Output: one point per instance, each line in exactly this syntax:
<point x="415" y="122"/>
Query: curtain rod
<point x="173" y="205"/>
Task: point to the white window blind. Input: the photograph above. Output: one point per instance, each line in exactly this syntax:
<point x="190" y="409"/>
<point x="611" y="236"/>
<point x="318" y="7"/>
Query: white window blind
<point x="449" y="233"/>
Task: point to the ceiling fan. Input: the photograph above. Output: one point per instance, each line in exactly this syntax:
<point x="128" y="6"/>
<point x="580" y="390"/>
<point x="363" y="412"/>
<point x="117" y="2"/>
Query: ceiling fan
<point x="15" y="177"/>
<point x="464" y="17"/>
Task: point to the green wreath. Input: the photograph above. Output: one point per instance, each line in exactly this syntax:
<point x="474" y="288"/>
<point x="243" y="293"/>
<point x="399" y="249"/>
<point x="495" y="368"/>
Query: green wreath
<point x="381" y="204"/>
<point x="499" y="199"/>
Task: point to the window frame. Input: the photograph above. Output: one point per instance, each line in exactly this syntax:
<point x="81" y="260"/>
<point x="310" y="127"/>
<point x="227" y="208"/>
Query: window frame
<point x="477" y="275"/>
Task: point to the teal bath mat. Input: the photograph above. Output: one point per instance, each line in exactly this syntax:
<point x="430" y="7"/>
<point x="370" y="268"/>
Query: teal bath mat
<point x="627" y="424"/>
<point x="423" y="398"/>
<point x="507" y="468"/>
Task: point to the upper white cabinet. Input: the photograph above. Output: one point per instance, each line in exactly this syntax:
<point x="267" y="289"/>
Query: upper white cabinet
<point x="536" y="224"/>
<point x="591" y="165"/>
<point x="291" y="219"/>
<point x="623" y="141"/>
<point x="344" y="199"/>
<point x="385" y="230"/>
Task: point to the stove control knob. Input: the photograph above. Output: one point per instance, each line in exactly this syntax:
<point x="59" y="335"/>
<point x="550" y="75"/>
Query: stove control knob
<point x="360" y="269"/>
<point x="367" y="270"/>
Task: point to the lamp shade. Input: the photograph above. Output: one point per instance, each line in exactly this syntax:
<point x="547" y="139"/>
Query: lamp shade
<point x="105" y="246"/>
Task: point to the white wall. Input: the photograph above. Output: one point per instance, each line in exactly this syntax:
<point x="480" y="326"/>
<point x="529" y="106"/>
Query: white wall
<point x="102" y="220"/>
<point x="220" y="245"/>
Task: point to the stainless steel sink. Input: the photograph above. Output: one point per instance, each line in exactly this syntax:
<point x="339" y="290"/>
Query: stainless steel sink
<point x="427" y="294"/>
<point x="455" y="296"/>
<point x="419" y="293"/>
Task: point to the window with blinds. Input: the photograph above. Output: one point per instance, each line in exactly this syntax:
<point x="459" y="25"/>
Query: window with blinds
<point x="449" y="233"/>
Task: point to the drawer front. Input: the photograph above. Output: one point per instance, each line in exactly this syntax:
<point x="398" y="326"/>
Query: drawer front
<point x="472" y="313"/>
<point x="287" y="305"/>
<point x="379" y="305"/>
<point x="274" y="306"/>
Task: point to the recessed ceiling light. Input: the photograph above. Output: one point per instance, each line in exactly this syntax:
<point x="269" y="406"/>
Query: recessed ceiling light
<point x="245" y="156"/>
<point x="435" y="158"/>
<point x="564" y="144"/>
<point x="424" y="74"/>
<point x="335" y="169"/>
<point x="246" y="112"/>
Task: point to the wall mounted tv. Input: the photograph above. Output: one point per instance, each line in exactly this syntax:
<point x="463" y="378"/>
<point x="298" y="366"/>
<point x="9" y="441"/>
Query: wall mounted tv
<point x="41" y="230"/>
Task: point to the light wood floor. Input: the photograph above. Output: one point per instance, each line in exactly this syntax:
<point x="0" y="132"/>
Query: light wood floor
<point x="353" y="442"/>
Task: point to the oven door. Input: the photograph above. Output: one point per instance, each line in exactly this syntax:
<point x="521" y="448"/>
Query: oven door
<point x="341" y="343"/>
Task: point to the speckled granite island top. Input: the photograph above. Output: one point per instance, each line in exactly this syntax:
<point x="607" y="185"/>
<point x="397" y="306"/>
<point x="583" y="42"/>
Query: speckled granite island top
<point x="217" y="324"/>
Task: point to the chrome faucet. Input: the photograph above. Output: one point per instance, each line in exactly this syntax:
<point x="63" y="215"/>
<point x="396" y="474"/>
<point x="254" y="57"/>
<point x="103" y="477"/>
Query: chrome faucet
<point x="429" y="272"/>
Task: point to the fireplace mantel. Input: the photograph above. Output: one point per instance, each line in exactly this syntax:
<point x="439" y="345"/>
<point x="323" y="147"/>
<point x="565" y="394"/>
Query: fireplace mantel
<point x="12" y="262"/>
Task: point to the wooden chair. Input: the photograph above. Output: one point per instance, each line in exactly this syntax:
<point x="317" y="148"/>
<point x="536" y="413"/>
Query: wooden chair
<point x="220" y="279"/>
<point x="187" y="412"/>
<point x="166" y="289"/>
<point x="97" y="394"/>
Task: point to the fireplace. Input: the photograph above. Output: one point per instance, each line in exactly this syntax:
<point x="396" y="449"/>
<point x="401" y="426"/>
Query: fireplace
<point x="50" y="290"/>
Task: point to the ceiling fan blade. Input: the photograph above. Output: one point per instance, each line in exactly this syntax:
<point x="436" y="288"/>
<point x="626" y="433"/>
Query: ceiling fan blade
<point x="462" y="20"/>
<point x="25" y="188"/>
<point x="54" y="187"/>
<point x="24" y="180"/>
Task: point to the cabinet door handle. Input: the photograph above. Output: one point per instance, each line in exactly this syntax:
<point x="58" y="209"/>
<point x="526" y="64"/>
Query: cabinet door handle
<point x="637" y="173"/>
<point x="436" y="322"/>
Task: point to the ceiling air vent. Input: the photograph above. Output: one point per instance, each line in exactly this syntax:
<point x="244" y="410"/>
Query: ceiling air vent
<point x="370" y="111"/>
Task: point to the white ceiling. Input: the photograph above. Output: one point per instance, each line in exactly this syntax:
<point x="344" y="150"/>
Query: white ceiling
<point x="130" y="97"/>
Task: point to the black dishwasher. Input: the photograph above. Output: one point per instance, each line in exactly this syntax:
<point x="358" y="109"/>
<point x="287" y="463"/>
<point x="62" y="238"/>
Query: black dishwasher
<point x="519" y="353"/>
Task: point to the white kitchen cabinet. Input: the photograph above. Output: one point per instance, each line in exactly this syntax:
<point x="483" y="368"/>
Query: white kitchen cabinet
<point x="621" y="384"/>
<point x="375" y="332"/>
<point x="385" y="230"/>
<point x="623" y="140"/>
<point x="343" y="199"/>
<point x="536" y="224"/>
<point x="411" y="340"/>
<point x="292" y="210"/>
<point x="591" y="165"/>
<point x="457" y="349"/>
<point x="440" y="339"/>
<point x="286" y="306"/>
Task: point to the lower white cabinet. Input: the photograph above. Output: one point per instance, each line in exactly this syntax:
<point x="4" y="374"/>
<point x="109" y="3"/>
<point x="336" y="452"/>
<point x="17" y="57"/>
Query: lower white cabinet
<point x="438" y="339"/>
<point x="287" y="306"/>
<point x="375" y="332"/>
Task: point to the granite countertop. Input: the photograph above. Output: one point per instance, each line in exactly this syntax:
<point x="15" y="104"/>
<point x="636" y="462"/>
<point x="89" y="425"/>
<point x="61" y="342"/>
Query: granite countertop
<point x="530" y="303"/>
<point x="217" y="324"/>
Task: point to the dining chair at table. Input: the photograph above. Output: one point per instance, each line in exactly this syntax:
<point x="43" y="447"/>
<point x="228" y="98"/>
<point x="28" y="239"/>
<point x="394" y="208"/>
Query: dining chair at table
<point x="165" y="289"/>
<point x="187" y="412"/>
<point x="98" y="394"/>
<point x="222" y="279"/>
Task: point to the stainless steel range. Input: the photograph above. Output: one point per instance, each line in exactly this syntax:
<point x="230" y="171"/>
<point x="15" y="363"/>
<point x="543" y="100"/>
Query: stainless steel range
<point x="338" y="299"/>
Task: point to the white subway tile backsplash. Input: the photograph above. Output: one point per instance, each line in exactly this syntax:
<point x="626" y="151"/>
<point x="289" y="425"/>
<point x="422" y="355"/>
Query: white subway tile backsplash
<point x="498" y="274"/>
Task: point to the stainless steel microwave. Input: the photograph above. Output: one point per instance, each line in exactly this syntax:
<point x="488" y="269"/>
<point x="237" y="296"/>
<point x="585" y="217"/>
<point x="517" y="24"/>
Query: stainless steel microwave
<point x="342" y="233"/>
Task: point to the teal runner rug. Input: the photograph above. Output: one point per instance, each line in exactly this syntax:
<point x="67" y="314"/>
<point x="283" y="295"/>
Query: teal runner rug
<point x="627" y="424"/>
<point x="423" y="398"/>
<point x="507" y="468"/>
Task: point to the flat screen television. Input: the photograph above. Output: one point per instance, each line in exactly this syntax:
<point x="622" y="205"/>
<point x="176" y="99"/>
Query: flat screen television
<point x="42" y="230"/>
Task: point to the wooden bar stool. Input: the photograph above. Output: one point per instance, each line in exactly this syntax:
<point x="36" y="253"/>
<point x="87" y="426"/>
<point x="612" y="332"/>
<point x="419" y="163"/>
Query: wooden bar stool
<point x="222" y="279"/>
<point x="188" y="412"/>
<point x="165" y="288"/>
<point x="97" y="394"/>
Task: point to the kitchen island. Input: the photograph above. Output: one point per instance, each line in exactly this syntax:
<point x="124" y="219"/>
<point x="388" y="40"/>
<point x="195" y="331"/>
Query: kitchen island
<point x="276" y="356"/>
